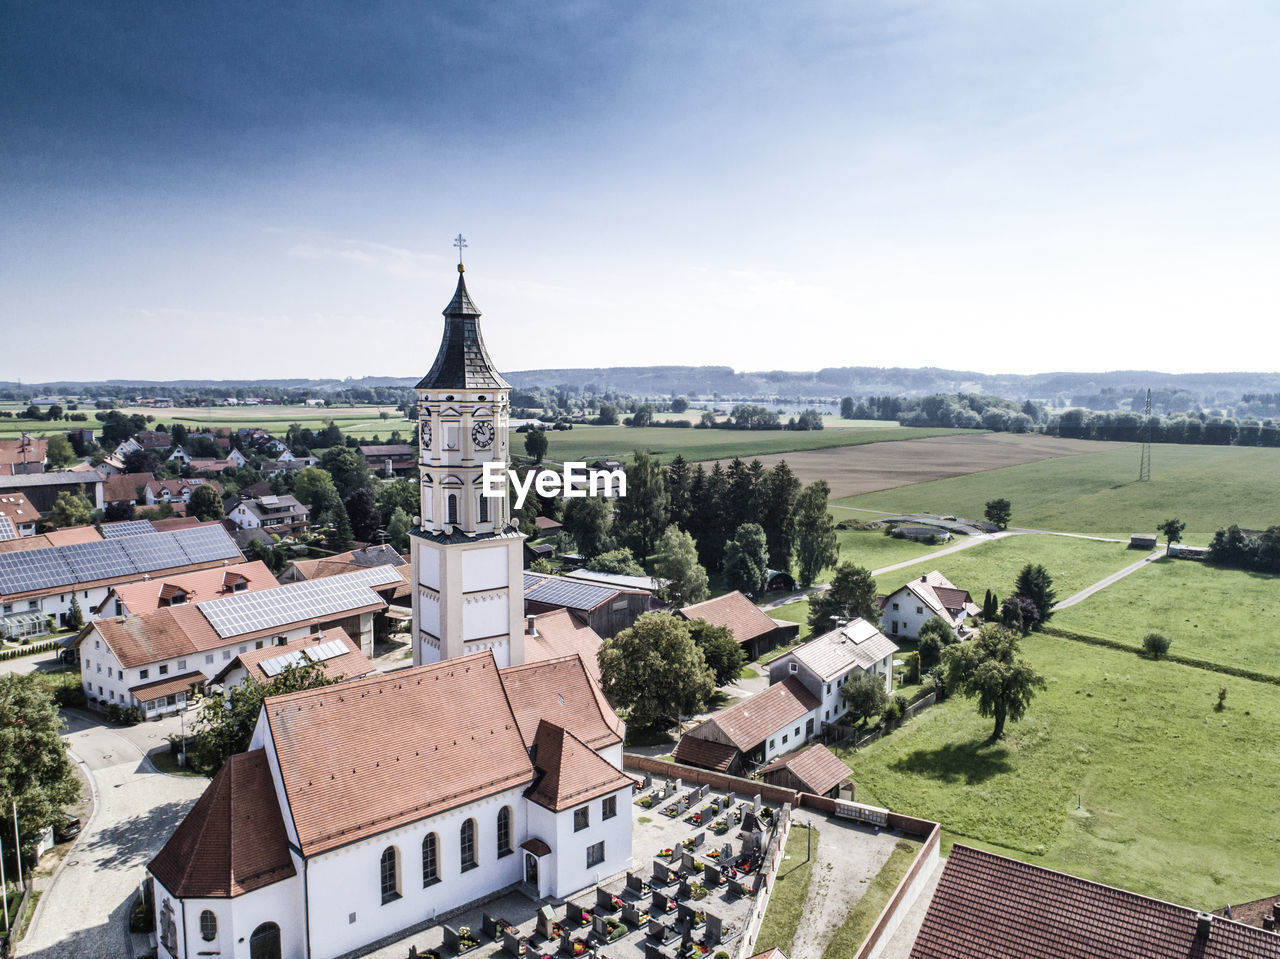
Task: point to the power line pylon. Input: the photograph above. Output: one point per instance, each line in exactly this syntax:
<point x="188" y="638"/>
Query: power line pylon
<point x="1144" y="468"/>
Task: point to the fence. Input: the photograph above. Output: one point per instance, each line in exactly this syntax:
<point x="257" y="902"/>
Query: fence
<point x="768" y="870"/>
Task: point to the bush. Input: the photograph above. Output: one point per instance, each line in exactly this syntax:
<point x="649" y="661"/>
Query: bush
<point x="132" y="716"/>
<point x="913" y="668"/>
<point x="1155" y="645"/>
<point x="113" y="713"/>
<point x="74" y="696"/>
<point x="892" y="714"/>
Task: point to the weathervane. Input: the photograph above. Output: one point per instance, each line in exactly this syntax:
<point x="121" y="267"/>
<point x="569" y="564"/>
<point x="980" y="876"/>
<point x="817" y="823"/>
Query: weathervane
<point x="460" y="242"/>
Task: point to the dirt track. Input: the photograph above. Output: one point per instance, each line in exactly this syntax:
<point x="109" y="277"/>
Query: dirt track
<point x="875" y="466"/>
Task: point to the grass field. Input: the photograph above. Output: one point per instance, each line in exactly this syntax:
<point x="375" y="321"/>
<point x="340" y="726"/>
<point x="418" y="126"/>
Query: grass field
<point x="586" y="443"/>
<point x="1098" y="493"/>
<point x="790" y="891"/>
<point x="1121" y="772"/>
<point x="874" y="550"/>
<point x="1224" y="616"/>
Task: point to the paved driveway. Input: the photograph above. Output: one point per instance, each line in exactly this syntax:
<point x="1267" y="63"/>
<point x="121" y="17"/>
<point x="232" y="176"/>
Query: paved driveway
<point x="84" y="912"/>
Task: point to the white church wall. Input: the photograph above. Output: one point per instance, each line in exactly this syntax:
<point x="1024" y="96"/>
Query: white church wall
<point x="347" y="881"/>
<point x="281" y="903"/>
<point x="429" y="567"/>
<point x="485" y="615"/>
<point x="570" y="847"/>
<point x="484" y="568"/>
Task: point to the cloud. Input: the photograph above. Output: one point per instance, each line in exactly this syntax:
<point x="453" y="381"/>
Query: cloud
<point x="392" y="260"/>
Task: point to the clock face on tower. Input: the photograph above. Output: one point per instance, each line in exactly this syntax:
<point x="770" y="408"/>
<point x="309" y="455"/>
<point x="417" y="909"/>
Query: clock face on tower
<point x="482" y="435"/>
<point x="425" y="432"/>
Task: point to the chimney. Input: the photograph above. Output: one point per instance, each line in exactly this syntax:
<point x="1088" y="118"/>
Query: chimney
<point x="924" y="578"/>
<point x="1275" y="910"/>
<point x="531" y="629"/>
<point x="1269" y="923"/>
<point x="1204" y="925"/>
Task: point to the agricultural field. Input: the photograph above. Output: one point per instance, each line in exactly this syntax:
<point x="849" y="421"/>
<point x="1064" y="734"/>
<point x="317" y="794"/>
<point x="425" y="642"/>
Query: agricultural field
<point x="874" y="550"/>
<point x="1121" y="772"/>
<point x="1205" y="486"/>
<point x="587" y="443"/>
<point x="1224" y="616"/>
<point x="853" y="471"/>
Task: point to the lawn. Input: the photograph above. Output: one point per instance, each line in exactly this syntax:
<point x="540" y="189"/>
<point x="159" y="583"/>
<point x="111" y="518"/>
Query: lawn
<point x="1121" y="772"/>
<point x="874" y="550"/>
<point x="1098" y="493"/>
<point x="790" y="892"/>
<point x="587" y="443"/>
<point x="1224" y="616"/>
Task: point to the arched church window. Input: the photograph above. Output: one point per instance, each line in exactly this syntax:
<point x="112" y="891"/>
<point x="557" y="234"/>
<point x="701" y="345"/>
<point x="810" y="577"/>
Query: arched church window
<point x="390" y="874"/>
<point x="265" y="942"/>
<point x="484" y="508"/>
<point x="430" y="859"/>
<point x="453" y="509"/>
<point x="469" y="845"/>
<point x="504" y="831"/>
<point x="208" y="926"/>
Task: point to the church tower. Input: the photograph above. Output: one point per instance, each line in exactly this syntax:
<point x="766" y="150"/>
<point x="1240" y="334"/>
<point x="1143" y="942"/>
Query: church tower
<point x="468" y="561"/>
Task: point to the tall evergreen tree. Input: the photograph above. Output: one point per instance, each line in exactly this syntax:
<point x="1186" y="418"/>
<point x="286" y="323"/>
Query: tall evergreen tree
<point x="679" y="478"/>
<point x="339" y="538"/>
<point x="816" y="546"/>
<point x="715" y="501"/>
<point x="740" y="495"/>
<point x="778" y="515"/>
<point x="642" y="513"/>
<point x="745" y="559"/>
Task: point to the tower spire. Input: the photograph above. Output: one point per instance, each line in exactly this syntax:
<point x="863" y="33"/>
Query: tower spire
<point x="460" y="242"/>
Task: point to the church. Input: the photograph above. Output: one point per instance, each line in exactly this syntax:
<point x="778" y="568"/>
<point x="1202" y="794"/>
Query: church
<point x="368" y="809"/>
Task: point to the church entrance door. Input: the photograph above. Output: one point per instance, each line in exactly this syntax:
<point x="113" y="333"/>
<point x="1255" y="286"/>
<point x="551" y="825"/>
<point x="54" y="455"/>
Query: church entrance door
<point x="531" y="869"/>
<point x="265" y="942"/>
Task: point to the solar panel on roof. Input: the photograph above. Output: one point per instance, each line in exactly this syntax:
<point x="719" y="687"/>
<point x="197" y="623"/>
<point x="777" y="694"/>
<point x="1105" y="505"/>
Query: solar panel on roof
<point x="276" y="664"/>
<point x="34" y="569"/>
<point x="327" y="650"/>
<point x="100" y="559"/>
<point x="6" y="528"/>
<point x="132" y="527"/>
<point x="206" y="544"/>
<point x="157" y="551"/>
<point x="296" y="602"/>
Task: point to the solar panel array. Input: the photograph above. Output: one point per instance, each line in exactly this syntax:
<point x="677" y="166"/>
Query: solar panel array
<point x="296" y="602"/>
<point x="316" y="654"/>
<point x="60" y="566"/>
<point x="566" y="593"/>
<point x="7" y="530"/>
<point x="132" y="527"/>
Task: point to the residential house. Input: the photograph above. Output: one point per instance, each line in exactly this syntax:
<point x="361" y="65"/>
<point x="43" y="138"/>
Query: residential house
<point x="42" y="489"/>
<point x="910" y="606"/>
<point x="24" y="455"/>
<point x="443" y="806"/>
<point x="989" y="905"/>
<point x="180" y="454"/>
<point x="18" y="518"/>
<point x="120" y="489"/>
<point x="606" y="609"/>
<point x="362" y="558"/>
<point x="391" y="459"/>
<point x="153" y="660"/>
<point x="754" y="731"/>
<point x="279" y="515"/>
<point x="751" y="627"/>
<point x="815" y="769"/>
<point x="46" y="580"/>
<point x="176" y="490"/>
<point x="159" y="592"/>
<point x="331" y="650"/>
<point x="825" y="663"/>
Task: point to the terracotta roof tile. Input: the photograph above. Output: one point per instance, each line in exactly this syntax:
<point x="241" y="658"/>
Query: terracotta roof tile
<point x="817" y="767"/>
<point x="370" y="755"/>
<point x="987" y="905"/>
<point x="559" y="633"/>
<point x="561" y="691"/>
<point x="145" y="595"/>
<point x="569" y="771"/>
<point x="744" y="618"/>
<point x="122" y="487"/>
<point x="233" y="841"/>
<point x="168" y="686"/>
<point x="749" y="723"/>
<point x="350" y="665"/>
<point x="704" y="753"/>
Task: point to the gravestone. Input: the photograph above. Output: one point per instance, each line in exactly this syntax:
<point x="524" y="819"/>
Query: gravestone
<point x="687" y="861"/>
<point x="710" y="875"/>
<point x="736" y="887"/>
<point x="726" y="852"/>
<point x="511" y="941"/>
<point x="698" y="839"/>
<point x="546" y="922"/>
<point x="713" y="931"/>
<point x="647" y="782"/>
<point x="631" y="914"/>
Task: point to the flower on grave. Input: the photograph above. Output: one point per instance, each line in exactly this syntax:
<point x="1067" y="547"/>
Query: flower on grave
<point x="644" y="919"/>
<point x="579" y="947"/>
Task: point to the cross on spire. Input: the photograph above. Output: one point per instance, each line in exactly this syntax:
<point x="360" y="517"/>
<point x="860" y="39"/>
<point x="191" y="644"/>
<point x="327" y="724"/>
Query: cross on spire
<point x="460" y="242"/>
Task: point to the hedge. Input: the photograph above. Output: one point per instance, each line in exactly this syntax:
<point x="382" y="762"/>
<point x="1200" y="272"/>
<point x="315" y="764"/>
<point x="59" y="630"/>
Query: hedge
<point x="20" y="651"/>
<point x="1172" y="657"/>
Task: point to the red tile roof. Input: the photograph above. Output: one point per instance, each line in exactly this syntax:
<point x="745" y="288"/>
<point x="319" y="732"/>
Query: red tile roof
<point x="25" y="449"/>
<point x="818" y="768"/>
<point x="749" y="723"/>
<point x="704" y="753"/>
<point x="350" y="665"/>
<point x="987" y="905"/>
<point x="561" y="691"/>
<point x="744" y="618"/>
<point x="233" y="841"/>
<point x="373" y="754"/>
<point x="168" y="686"/>
<point x="122" y="487"/>
<point x="560" y="633"/>
<point x="570" y="771"/>
<point x="145" y="595"/>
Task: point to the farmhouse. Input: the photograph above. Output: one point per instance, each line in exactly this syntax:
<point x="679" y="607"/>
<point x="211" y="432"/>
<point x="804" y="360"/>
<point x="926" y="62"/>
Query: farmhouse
<point x="42" y="489"/>
<point x="392" y="459"/>
<point x="825" y="663"/>
<point x="121" y="489"/>
<point x="914" y="604"/>
<point x="754" y="731"/>
<point x="606" y="609"/>
<point x="18" y="518"/>
<point x="158" y="592"/>
<point x="752" y="629"/>
<point x="331" y="650"/>
<point x="815" y="770"/>
<point x="25" y="455"/>
<point x="988" y="905"/>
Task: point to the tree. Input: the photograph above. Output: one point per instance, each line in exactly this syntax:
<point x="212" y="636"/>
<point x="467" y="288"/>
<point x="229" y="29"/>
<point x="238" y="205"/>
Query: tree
<point x="311" y="487"/>
<point x="35" y="771"/>
<point x="864" y="696"/>
<point x="679" y="503"/>
<point x="141" y="461"/>
<point x="990" y="670"/>
<point x="685" y="582"/>
<point x="642" y="513"/>
<point x="999" y="511"/>
<point x="347" y="468"/>
<point x="934" y="636"/>
<point x="225" y="724"/>
<point x="1155" y="645"/>
<point x="587" y="520"/>
<point x="643" y="416"/>
<point x="364" y="515"/>
<point x="846" y="408"/>
<point x="618" y="561"/>
<point x="1171" y="530"/>
<point x="852" y="594"/>
<point x="178" y="435"/>
<point x="608" y="415"/>
<point x="1020" y="613"/>
<point x="205" y="503"/>
<point x="74" y="619"/>
<point x="398" y="530"/>
<point x="679" y="404"/>
<point x="71" y="509"/>
<point x="990" y="606"/>
<point x="339" y="538"/>
<point x="746" y="560"/>
<point x="816" y="547"/>
<point x="721" y="651"/>
<point x="656" y="671"/>
<point x="1035" y="583"/>
<point x="535" y="444"/>
<point x="59" y="451"/>
<point x="778" y="514"/>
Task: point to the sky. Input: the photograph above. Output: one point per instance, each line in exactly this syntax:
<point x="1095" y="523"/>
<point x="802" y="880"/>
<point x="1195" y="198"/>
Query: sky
<point x="244" y="190"/>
